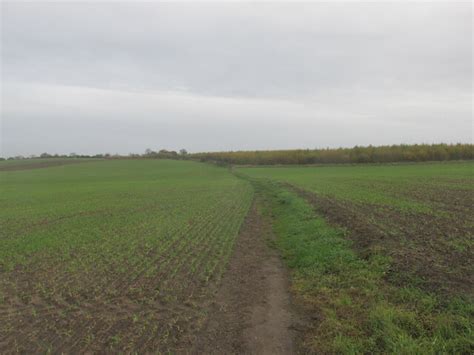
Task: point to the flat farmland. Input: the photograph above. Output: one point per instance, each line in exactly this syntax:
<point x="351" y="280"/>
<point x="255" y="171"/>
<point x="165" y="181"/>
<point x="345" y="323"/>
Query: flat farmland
<point x="382" y="255"/>
<point x="113" y="255"/>
<point x="421" y="214"/>
<point x="171" y="256"/>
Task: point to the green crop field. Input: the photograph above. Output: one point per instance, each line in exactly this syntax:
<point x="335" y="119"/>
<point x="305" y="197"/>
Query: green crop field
<point x="129" y="255"/>
<point x="382" y="253"/>
<point x="117" y="253"/>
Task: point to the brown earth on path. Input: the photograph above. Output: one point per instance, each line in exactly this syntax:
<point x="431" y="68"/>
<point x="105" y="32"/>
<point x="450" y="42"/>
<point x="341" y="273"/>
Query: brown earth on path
<point x="252" y="311"/>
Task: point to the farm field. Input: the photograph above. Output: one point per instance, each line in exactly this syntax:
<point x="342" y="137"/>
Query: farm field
<point x="130" y="256"/>
<point x="26" y="164"/>
<point x="113" y="255"/>
<point x="236" y="178"/>
<point x="382" y="254"/>
<point x="422" y="214"/>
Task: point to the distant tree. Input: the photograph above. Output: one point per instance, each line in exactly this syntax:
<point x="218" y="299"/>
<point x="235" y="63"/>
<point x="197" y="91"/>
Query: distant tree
<point x="45" y="155"/>
<point x="72" y="155"/>
<point x="172" y="152"/>
<point x="167" y="154"/>
<point x="183" y="152"/>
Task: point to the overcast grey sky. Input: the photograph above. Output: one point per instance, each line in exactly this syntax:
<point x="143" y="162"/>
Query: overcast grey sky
<point x="123" y="77"/>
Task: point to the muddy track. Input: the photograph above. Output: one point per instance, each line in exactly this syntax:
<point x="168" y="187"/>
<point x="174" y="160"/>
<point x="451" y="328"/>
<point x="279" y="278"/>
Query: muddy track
<point x="252" y="311"/>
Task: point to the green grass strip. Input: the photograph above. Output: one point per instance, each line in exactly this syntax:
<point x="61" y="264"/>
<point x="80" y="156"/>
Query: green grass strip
<point x="355" y="310"/>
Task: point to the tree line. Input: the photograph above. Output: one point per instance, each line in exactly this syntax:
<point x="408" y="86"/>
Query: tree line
<point x="149" y="154"/>
<point x="357" y="154"/>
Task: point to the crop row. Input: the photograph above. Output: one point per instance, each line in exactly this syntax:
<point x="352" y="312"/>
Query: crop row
<point x="124" y="266"/>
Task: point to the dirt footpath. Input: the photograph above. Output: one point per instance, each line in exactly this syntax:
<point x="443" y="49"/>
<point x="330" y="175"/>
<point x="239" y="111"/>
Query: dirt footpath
<point x="251" y="313"/>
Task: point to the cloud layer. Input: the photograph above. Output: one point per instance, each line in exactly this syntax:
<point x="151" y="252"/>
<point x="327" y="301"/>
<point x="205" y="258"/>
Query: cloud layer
<point x="120" y="78"/>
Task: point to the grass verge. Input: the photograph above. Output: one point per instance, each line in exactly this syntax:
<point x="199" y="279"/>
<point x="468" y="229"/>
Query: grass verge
<point x="353" y="307"/>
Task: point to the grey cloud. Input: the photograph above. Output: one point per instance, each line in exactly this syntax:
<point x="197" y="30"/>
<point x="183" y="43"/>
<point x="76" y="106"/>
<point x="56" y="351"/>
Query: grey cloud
<point x="273" y="75"/>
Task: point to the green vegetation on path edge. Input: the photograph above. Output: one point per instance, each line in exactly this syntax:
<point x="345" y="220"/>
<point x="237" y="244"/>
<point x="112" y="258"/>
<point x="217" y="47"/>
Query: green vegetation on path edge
<point x="354" y="309"/>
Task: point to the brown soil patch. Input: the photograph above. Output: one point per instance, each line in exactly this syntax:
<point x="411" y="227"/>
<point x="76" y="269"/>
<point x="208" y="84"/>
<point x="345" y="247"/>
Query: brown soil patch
<point x="434" y="252"/>
<point x="251" y="313"/>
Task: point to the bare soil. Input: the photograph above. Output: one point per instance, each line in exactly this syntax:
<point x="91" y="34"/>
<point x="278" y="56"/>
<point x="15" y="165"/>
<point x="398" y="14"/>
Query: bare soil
<point x="434" y="251"/>
<point x="252" y="311"/>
